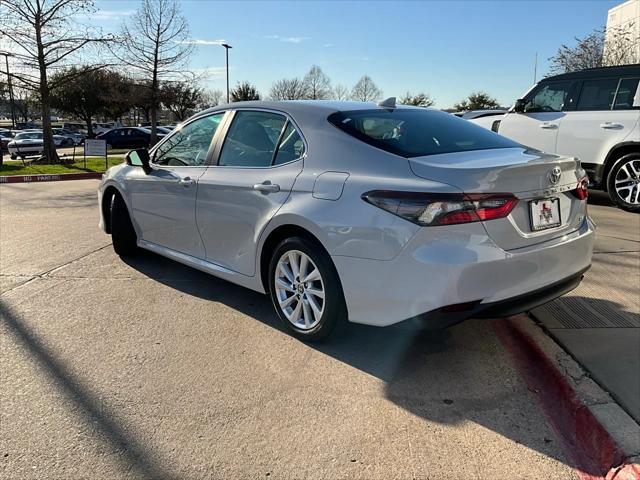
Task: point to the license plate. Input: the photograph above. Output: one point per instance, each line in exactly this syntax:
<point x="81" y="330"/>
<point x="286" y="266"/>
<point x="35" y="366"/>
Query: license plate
<point x="545" y="213"/>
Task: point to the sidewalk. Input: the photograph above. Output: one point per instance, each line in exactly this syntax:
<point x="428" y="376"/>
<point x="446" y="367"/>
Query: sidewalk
<point x="599" y="322"/>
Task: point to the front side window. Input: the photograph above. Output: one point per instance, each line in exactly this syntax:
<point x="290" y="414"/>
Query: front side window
<point x="597" y="94"/>
<point x="252" y="139"/>
<point x="417" y="132"/>
<point x="628" y="95"/>
<point x="189" y="145"/>
<point x="549" y="97"/>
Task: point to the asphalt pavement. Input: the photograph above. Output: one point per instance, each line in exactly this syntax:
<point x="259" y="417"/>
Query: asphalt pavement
<point x="149" y="369"/>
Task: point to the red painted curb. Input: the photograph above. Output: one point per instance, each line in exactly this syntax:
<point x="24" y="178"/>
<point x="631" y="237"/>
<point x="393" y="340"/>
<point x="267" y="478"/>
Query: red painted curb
<point x="49" y="178"/>
<point x="589" y="446"/>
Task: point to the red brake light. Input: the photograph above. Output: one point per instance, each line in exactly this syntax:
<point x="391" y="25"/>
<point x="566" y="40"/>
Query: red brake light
<point x="582" y="189"/>
<point x="431" y="209"/>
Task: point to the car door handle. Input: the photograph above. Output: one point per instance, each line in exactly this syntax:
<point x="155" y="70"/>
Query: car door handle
<point x="186" y="181"/>
<point x="267" y="187"/>
<point x="548" y="126"/>
<point x="611" y="126"/>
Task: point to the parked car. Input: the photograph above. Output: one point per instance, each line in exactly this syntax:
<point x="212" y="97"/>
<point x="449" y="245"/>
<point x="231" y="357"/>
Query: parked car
<point x="374" y="214"/>
<point x="5" y="137"/>
<point x="75" y="137"/>
<point x="30" y="142"/>
<point x="127" y="137"/>
<point x="594" y="115"/>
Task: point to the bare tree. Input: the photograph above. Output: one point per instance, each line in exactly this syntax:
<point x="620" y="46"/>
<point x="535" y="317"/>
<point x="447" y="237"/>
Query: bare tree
<point x="155" y="44"/>
<point x="616" y="46"/>
<point x="340" y="92"/>
<point x="477" y="101"/>
<point x="365" y="90"/>
<point x="318" y="84"/>
<point x="621" y="45"/>
<point x="419" y="100"/>
<point x="289" y="89"/>
<point x="210" y="98"/>
<point x="44" y="39"/>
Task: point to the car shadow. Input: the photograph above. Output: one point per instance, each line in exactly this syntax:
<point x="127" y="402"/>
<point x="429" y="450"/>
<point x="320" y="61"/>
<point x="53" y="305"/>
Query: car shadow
<point x="444" y="376"/>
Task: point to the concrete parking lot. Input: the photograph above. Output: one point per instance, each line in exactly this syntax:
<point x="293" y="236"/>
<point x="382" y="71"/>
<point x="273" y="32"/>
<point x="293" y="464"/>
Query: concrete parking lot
<point x="149" y="369"/>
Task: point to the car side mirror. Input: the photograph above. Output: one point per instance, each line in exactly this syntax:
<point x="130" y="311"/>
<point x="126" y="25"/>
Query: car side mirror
<point x="139" y="158"/>
<point x="519" y="106"/>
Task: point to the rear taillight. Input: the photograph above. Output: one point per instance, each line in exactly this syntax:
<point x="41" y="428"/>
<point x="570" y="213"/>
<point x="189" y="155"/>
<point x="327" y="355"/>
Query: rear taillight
<point x="431" y="209"/>
<point x="582" y="189"/>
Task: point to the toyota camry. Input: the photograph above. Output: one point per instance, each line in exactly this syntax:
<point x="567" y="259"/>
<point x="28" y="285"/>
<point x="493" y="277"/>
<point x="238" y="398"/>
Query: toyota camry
<point x="356" y="212"/>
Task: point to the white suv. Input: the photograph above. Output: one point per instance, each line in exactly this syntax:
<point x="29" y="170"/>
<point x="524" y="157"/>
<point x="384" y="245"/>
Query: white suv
<point x="593" y="115"/>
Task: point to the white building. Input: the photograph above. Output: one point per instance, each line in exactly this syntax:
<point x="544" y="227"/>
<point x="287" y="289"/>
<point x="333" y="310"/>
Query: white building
<point x="625" y="15"/>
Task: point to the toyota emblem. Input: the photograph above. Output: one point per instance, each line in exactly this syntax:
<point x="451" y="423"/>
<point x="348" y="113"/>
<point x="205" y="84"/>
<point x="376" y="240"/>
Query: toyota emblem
<point x="554" y="175"/>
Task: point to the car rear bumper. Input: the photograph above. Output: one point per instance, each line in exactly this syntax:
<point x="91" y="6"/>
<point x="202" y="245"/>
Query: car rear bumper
<point x="460" y="265"/>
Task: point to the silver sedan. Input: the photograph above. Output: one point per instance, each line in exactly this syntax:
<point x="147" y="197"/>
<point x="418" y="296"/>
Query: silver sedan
<point x="361" y="212"/>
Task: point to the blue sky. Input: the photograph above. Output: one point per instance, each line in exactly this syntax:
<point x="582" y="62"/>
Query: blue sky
<point x="446" y="49"/>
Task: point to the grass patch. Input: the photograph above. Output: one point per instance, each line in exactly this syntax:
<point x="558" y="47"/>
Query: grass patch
<point x="94" y="164"/>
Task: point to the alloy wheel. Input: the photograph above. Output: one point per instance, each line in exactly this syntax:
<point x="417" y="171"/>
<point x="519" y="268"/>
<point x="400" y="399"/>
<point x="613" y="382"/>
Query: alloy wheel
<point x="299" y="289"/>
<point x="627" y="182"/>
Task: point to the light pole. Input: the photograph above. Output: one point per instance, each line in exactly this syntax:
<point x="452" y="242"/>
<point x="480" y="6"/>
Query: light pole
<point x="13" y="114"/>
<point x="226" y="51"/>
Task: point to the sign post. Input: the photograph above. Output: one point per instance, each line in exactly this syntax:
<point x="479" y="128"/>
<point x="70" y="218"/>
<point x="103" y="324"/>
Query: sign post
<point x="97" y="148"/>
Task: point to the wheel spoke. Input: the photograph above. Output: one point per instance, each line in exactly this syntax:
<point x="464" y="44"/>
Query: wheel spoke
<point x="284" y="268"/>
<point x="285" y="303"/>
<point x="315" y="292"/>
<point x="307" y="314"/>
<point x="623" y="168"/>
<point x="293" y="263"/>
<point x="317" y="312"/>
<point x="304" y="261"/>
<point x="624" y="183"/>
<point x="314" y="275"/>
<point x="295" y="315"/>
<point x="284" y="285"/>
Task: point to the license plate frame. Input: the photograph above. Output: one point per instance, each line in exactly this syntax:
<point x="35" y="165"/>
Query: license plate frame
<point x="544" y="213"/>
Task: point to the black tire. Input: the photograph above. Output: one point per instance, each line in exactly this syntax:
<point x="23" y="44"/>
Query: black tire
<point x="123" y="235"/>
<point x="13" y="156"/>
<point x="334" y="307"/>
<point x="621" y="169"/>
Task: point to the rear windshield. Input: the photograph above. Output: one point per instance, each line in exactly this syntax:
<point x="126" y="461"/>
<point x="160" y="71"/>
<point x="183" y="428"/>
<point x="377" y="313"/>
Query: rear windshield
<point x="417" y="132"/>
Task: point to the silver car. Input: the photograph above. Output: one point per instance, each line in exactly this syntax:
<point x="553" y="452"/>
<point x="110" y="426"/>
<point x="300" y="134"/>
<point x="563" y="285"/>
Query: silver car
<point x="361" y="212"/>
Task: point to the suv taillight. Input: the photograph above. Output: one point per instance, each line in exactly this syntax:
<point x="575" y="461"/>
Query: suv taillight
<point x="432" y="209"/>
<point x="582" y="189"/>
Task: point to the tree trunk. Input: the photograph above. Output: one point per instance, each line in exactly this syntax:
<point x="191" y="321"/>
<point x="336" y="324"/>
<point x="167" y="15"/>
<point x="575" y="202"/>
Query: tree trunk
<point x="50" y="154"/>
<point x="89" y="122"/>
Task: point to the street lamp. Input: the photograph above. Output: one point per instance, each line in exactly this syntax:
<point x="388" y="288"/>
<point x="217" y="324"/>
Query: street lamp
<point x="13" y="114"/>
<point x="226" y="51"/>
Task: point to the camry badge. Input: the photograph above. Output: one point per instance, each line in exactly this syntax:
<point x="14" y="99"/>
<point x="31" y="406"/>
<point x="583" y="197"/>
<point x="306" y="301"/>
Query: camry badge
<point x="554" y="175"/>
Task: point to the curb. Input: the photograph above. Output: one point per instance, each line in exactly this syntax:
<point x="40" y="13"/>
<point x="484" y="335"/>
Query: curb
<point x="49" y="178"/>
<point x="599" y="437"/>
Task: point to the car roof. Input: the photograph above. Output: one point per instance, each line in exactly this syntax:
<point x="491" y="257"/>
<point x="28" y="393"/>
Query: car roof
<point x="323" y="107"/>
<point x="602" y="72"/>
<point x="303" y="110"/>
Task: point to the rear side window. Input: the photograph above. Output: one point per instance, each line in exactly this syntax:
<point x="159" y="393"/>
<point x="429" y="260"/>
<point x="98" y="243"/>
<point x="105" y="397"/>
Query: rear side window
<point x="417" y="132"/>
<point x="291" y="146"/>
<point x="252" y="139"/>
<point x="597" y="94"/>
<point x="627" y="93"/>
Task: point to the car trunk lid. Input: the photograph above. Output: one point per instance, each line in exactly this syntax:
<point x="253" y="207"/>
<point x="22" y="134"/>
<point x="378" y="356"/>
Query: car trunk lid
<point x="530" y="175"/>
